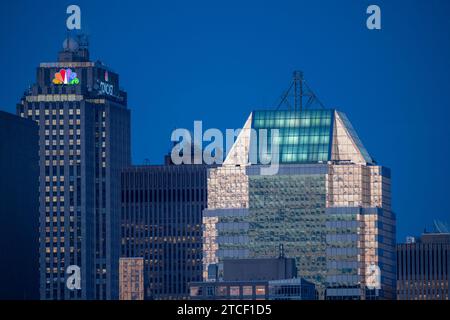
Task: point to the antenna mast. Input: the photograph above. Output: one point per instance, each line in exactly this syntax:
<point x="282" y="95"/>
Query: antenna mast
<point x="300" y="93"/>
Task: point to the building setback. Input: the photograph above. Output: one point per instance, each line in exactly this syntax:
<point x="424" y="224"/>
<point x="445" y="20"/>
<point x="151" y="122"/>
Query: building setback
<point x="19" y="208"/>
<point x="328" y="204"/>
<point x="84" y="130"/>
<point x="423" y="268"/>
<point x="161" y="222"/>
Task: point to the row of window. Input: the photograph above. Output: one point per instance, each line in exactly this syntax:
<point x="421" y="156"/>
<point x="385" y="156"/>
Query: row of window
<point x="233" y="291"/>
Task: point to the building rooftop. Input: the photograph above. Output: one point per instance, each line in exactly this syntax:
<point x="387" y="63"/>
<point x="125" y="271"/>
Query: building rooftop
<point x="306" y="136"/>
<point x="434" y="237"/>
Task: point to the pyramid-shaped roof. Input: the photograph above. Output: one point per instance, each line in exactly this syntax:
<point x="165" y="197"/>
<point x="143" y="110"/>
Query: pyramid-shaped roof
<point x="307" y="136"/>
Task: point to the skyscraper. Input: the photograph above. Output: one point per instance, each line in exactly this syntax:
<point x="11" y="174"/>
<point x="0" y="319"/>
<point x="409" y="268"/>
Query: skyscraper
<point x="161" y="222"/>
<point x="328" y="203"/>
<point x="423" y="268"/>
<point x="84" y="130"/>
<point x="19" y="208"/>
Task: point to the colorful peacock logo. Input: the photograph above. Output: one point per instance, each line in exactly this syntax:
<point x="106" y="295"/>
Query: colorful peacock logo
<point x="66" y="76"/>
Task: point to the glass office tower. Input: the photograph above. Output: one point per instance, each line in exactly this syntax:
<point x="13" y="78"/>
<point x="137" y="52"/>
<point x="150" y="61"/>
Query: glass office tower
<point x="84" y="129"/>
<point x="328" y="204"/>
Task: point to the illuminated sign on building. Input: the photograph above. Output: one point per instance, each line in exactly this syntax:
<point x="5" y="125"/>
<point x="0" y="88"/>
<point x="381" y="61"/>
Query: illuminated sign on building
<point x="66" y="76"/>
<point x="105" y="87"/>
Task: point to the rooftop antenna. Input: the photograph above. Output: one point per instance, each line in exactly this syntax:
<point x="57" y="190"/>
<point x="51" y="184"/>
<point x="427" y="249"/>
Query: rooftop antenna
<point x="297" y="79"/>
<point x="300" y="93"/>
<point x="66" y="48"/>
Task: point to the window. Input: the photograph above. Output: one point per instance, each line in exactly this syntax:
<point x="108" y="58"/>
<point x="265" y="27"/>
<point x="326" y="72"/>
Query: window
<point x="221" y="291"/>
<point x="247" y="290"/>
<point x="195" y="291"/>
<point x="260" y="290"/>
<point x="210" y="291"/>
<point x="234" y="291"/>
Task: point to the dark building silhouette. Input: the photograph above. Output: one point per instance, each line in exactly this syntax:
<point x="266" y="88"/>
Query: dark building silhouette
<point x="259" y="269"/>
<point x="162" y="223"/>
<point x="84" y="129"/>
<point x="423" y="268"/>
<point x="19" y="208"/>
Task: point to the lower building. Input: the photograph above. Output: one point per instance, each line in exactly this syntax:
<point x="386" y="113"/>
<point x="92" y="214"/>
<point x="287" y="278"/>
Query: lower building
<point x="229" y="290"/>
<point x="131" y="279"/>
<point x="423" y="268"/>
<point x="19" y="208"/>
<point x="254" y="279"/>
<point x="161" y="223"/>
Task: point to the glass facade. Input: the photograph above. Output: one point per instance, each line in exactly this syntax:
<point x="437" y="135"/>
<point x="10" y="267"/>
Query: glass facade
<point x="304" y="137"/>
<point x="224" y="233"/>
<point x="290" y="210"/>
<point x="357" y="240"/>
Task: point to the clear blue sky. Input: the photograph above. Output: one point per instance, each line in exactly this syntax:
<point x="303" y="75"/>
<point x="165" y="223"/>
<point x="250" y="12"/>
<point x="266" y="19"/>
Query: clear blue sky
<point x="215" y="61"/>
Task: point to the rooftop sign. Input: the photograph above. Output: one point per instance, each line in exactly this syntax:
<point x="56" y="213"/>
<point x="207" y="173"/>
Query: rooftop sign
<point x="66" y="76"/>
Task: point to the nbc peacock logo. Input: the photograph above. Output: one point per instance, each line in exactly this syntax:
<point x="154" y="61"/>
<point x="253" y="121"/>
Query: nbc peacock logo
<point x="66" y="76"/>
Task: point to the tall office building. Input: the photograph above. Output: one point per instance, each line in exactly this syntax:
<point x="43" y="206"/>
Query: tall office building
<point x="84" y="129"/>
<point x="19" y="208"/>
<point x="161" y="222"/>
<point x="423" y="268"/>
<point x="328" y="203"/>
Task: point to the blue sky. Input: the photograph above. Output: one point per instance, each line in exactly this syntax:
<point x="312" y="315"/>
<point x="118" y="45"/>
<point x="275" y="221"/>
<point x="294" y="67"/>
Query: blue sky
<point x="216" y="61"/>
